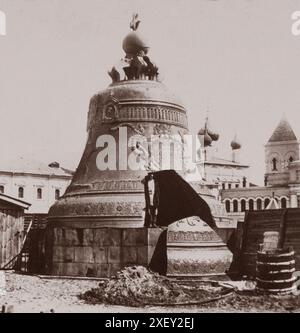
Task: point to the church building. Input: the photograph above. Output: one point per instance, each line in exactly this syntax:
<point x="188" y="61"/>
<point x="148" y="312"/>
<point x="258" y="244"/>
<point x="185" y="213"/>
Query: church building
<point x="220" y="173"/>
<point x="282" y="177"/>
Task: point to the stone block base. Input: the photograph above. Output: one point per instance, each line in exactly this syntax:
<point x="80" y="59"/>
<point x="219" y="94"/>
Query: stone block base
<point x="98" y="252"/>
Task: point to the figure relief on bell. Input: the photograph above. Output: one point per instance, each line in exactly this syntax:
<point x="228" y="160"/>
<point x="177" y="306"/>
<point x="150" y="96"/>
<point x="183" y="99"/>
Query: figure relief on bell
<point x="136" y="65"/>
<point x="111" y="111"/>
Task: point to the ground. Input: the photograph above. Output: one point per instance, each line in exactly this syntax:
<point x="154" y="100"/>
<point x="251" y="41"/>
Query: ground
<point x="34" y="294"/>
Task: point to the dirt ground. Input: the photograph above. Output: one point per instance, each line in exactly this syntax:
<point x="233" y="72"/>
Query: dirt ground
<point x="32" y="294"/>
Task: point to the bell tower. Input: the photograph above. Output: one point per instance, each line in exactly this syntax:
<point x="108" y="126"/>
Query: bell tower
<point x="281" y="149"/>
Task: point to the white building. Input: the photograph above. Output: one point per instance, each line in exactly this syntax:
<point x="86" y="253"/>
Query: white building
<point x="36" y="183"/>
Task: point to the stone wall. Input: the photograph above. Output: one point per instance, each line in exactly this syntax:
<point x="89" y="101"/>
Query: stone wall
<point x="99" y="252"/>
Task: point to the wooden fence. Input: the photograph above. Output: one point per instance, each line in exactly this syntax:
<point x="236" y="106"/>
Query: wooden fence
<point x="285" y="221"/>
<point x="11" y="234"/>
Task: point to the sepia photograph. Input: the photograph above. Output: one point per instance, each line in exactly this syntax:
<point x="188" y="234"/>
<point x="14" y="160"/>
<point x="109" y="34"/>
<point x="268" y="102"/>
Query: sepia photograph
<point x="150" y="159"/>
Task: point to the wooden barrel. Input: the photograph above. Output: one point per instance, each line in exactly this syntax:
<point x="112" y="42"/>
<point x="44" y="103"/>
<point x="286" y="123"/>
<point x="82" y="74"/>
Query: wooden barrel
<point x="274" y="271"/>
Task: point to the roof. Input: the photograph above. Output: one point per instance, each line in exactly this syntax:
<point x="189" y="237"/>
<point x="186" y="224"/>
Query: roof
<point x="24" y="165"/>
<point x="14" y="201"/>
<point x="222" y="161"/>
<point x="283" y="132"/>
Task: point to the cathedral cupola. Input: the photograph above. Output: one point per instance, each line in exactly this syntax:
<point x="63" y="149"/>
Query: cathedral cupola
<point x="207" y="139"/>
<point x="208" y="134"/>
<point x="235" y="144"/>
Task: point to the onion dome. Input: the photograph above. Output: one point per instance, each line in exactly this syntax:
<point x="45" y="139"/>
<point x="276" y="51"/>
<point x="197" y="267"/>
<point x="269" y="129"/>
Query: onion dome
<point x="235" y="144"/>
<point x="213" y="135"/>
<point x="207" y="140"/>
<point x="202" y="131"/>
<point x="206" y="130"/>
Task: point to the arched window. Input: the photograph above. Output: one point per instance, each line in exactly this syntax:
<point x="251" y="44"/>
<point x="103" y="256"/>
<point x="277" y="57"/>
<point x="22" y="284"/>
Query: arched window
<point x="243" y="205"/>
<point x="57" y="194"/>
<point x="251" y="204"/>
<point x="291" y="159"/>
<point x="266" y="203"/>
<point x="235" y="206"/>
<point x="283" y="203"/>
<point x="39" y="193"/>
<point x="259" y="204"/>
<point x="227" y="205"/>
<point x="274" y="164"/>
<point x="1" y="189"/>
<point x="21" y="192"/>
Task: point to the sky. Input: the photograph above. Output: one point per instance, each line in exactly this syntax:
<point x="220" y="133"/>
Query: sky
<point x="234" y="59"/>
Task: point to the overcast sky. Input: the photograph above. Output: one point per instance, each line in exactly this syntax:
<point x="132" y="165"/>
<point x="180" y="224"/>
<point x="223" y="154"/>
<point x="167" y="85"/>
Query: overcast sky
<point x="236" y="58"/>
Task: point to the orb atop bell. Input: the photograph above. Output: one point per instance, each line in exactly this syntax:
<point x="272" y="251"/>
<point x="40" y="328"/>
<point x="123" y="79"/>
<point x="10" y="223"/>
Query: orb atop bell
<point x="136" y="64"/>
<point x="134" y="42"/>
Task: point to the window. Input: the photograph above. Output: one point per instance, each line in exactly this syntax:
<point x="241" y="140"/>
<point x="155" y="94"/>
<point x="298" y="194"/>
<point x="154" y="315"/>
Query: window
<point x="21" y="192"/>
<point x="274" y="164"/>
<point x="291" y="159"/>
<point x="235" y="206"/>
<point x="227" y="205"/>
<point x="243" y="205"/>
<point x="229" y="186"/>
<point x="298" y="175"/>
<point x="1" y="189"/>
<point x="39" y="193"/>
<point x="259" y="204"/>
<point x="223" y="186"/>
<point x="251" y="204"/>
<point x="57" y="194"/>
<point x="283" y="203"/>
<point x="236" y="185"/>
<point x="267" y="201"/>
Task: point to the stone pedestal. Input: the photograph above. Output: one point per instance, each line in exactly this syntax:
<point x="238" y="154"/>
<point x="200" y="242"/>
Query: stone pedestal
<point x="194" y="249"/>
<point x="98" y="252"/>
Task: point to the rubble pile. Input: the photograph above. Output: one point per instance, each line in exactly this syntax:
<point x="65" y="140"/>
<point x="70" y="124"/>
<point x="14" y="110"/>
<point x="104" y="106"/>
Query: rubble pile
<point x="137" y="286"/>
